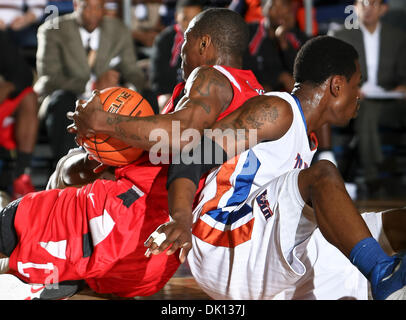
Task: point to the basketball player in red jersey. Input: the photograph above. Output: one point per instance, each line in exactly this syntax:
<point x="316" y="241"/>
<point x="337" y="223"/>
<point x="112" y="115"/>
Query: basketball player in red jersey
<point x="96" y="232"/>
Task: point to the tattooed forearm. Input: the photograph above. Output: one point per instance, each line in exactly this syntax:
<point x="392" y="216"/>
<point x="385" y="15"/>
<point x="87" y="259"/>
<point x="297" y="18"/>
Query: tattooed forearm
<point x="120" y="132"/>
<point x="115" y="119"/>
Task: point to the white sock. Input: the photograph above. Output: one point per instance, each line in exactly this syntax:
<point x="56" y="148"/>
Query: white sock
<point x="374" y="223"/>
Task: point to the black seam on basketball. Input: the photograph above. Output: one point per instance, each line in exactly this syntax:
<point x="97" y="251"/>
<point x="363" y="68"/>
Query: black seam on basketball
<point x="110" y="95"/>
<point x="97" y="152"/>
<point x="136" y="107"/>
<point x="94" y="141"/>
<point x="101" y="153"/>
<point x="109" y="151"/>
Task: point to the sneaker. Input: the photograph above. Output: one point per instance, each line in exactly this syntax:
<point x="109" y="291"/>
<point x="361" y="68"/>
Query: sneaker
<point x="22" y="185"/>
<point x="12" y="288"/>
<point x="389" y="282"/>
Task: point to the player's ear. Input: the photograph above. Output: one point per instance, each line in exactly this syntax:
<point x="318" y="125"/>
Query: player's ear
<point x="336" y="85"/>
<point x="205" y="42"/>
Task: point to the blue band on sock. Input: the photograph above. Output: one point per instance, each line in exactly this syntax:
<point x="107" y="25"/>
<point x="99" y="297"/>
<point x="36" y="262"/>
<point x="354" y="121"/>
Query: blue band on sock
<point x="366" y="254"/>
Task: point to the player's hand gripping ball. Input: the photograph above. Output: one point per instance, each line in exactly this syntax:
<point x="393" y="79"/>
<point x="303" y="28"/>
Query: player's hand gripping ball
<point x="106" y="149"/>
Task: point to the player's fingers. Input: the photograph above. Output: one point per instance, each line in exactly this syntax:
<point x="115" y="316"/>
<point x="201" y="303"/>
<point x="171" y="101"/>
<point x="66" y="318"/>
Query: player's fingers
<point x="184" y="250"/>
<point x="78" y="141"/>
<point x="69" y="115"/>
<point x="152" y="236"/>
<point x="150" y="242"/>
<point x="168" y="237"/>
<point x="173" y="243"/>
<point x="175" y="246"/>
<point x="72" y="128"/>
<point x="150" y="247"/>
<point x="80" y="103"/>
<point x="172" y="240"/>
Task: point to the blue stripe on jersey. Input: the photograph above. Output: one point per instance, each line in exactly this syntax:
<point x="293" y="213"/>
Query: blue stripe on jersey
<point x="228" y="219"/>
<point x="242" y="189"/>
<point x="300" y="109"/>
<point x="244" y="180"/>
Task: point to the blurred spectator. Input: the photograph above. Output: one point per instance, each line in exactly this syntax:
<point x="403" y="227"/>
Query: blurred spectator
<point x="165" y="70"/>
<point x="218" y="3"/>
<point x="382" y="50"/>
<point x="301" y="15"/>
<point x="251" y="10"/>
<point x="19" y="14"/>
<point x="167" y="12"/>
<point x="275" y="41"/>
<point x="146" y="24"/>
<point x="290" y="38"/>
<point x="21" y="19"/>
<point x="112" y="8"/>
<point x="274" y="44"/>
<point x="18" y="120"/>
<point x="87" y="51"/>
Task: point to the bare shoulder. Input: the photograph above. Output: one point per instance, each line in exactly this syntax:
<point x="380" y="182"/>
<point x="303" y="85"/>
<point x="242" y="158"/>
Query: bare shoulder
<point x="209" y="86"/>
<point x="271" y="116"/>
<point x="204" y="79"/>
<point x="273" y="107"/>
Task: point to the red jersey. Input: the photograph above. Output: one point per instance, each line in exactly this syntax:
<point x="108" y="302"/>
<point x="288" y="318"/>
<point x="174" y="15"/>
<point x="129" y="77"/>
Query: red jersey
<point x="97" y="232"/>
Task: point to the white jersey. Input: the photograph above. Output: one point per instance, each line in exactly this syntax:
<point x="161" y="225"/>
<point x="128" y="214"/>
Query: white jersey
<point x="230" y="184"/>
<point x="224" y="252"/>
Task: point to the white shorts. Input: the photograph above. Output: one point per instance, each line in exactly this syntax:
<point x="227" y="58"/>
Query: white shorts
<point x="286" y="256"/>
<point x="321" y="270"/>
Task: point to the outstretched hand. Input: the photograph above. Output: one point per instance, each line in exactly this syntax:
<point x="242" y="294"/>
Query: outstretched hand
<point x="85" y="117"/>
<point x="178" y="236"/>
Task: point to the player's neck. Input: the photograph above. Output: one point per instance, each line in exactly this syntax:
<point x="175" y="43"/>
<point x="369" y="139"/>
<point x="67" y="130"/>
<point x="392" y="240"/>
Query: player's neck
<point x="229" y="61"/>
<point x="311" y="101"/>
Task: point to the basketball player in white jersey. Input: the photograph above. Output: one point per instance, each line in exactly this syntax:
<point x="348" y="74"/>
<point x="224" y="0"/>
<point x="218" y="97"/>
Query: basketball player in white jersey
<point x="249" y="238"/>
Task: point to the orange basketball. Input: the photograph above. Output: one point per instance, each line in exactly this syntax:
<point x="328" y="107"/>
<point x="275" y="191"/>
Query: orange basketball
<point x="109" y="150"/>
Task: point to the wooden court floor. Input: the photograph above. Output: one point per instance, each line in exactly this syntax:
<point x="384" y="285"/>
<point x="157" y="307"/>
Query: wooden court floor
<point x="183" y="287"/>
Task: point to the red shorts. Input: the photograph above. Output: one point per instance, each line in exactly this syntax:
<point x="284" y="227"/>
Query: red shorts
<point x="95" y="233"/>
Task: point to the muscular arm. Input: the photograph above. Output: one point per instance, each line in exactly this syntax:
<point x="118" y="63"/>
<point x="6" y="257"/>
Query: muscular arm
<point x="207" y="94"/>
<point x="268" y="118"/>
<point x="261" y="118"/>
<point x="271" y="117"/>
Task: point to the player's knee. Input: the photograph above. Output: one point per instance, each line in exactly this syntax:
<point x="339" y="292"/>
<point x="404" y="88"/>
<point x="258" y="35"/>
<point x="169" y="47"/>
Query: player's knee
<point x="325" y="171"/>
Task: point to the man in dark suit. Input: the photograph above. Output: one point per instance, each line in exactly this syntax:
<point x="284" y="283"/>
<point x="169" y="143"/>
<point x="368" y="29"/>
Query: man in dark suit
<point x="382" y="51"/>
<point x="77" y="53"/>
